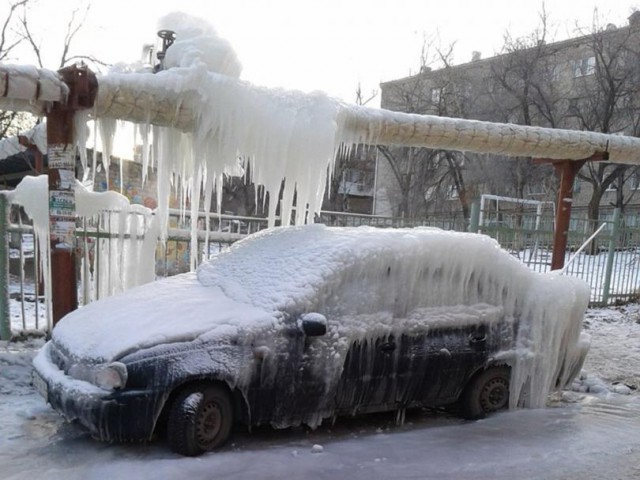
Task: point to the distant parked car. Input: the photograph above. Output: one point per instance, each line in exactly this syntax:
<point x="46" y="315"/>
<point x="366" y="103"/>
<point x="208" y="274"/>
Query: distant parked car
<point x="295" y="325"/>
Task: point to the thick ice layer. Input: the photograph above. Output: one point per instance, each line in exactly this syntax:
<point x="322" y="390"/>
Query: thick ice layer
<point x="198" y="42"/>
<point x="109" y="265"/>
<point x="279" y="137"/>
<point x="383" y="277"/>
<point x="30" y="89"/>
<point x="36" y="135"/>
<point x="175" y="309"/>
<point x="370" y="285"/>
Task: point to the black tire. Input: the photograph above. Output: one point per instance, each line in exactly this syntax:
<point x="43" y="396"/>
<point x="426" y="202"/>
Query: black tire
<point x="200" y="419"/>
<point x="487" y="392"/>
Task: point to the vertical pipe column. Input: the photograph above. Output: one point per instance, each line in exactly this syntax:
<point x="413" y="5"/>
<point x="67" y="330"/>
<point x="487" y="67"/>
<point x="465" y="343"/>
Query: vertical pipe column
<point x="474" y="221"/>
<point x="606" y="287"/>
<point x="566" y="170"/>
<point x="5" y="314"/>
<point x="62" y="206"/>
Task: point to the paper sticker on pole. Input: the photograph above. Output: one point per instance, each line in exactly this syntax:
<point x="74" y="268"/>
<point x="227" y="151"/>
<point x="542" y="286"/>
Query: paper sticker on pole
<point x="62" y="203"/>
<point x="62" y="156"/>
<point x="63" y="231"/>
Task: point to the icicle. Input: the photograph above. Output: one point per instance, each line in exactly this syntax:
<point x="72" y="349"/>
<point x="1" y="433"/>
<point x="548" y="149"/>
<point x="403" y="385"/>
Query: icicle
<point x="144" y="131"/>
<point x="81" y="134"/>
<point x="107" y="129"/>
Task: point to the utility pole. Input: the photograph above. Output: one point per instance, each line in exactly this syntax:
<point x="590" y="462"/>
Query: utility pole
<point x="83" y="88"/>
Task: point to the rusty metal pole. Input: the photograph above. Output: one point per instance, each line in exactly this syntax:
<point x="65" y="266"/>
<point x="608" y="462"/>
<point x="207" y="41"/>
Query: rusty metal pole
<point x="62" y="207"/>
<point x="567" y="171"/>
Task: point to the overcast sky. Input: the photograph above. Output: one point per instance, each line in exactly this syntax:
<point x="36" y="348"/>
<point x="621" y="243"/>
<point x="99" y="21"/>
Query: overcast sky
<point x="328" y="45"/>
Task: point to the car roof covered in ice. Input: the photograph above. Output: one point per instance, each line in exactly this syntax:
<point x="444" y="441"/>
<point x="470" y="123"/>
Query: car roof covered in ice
<point x="289" y="266"/>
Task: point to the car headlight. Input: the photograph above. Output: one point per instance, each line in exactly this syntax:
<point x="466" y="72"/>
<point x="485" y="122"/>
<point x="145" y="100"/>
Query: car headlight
<point x="112" y="376"/>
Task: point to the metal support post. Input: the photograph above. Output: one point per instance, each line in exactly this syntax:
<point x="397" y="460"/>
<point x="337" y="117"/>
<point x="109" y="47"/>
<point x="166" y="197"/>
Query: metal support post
<point x="474" y="221"/>
<point x="62" y="207"/>
<point x="5" y="314"/>
<point x="606" y="287"/>
<point x="566" y="170"/>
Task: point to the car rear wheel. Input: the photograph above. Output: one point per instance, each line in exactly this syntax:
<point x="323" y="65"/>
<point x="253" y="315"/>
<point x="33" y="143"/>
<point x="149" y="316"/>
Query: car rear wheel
<point x="200" y="420"/>
<point x="487" y="392"/>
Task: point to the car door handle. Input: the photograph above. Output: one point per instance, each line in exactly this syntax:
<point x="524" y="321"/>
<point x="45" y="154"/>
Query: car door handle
<point x="477" y="337"/>
<point x="387" y="347"/>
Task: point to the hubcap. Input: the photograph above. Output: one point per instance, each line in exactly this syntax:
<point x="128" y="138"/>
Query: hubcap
<point x="494" y="395"/>
<point x="208" y="424"/>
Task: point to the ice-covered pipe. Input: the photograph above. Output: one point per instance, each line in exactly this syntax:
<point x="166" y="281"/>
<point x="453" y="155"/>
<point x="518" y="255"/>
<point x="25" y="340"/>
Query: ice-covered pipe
<point x="162" y="99"/>
<point x="151" y="98"/>
<point x="26" y="88"/>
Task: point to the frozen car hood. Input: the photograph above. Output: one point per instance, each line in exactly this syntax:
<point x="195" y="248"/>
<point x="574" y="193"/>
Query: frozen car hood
<point x="176" y="309"/>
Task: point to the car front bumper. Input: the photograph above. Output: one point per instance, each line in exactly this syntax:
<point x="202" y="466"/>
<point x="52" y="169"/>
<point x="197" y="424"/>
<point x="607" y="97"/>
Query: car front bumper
<point x="126" y="415"/>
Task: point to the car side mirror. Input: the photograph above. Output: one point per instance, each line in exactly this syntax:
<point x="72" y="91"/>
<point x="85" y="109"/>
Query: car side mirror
<point x="313" y="324"/>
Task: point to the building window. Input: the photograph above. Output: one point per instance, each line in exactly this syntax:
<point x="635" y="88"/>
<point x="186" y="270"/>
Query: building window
<point x="577" y="185"/>
<point x="574" y="108"/>
<point x="584" y="66"/>
<point x="356" y="182"/>
<point x="436" y="95"/>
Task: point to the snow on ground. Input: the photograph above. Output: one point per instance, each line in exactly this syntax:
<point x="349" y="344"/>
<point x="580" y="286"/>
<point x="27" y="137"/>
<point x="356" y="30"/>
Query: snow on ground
<point x="615" y="346"/>
<point x="588" y="433"/>
<point x="25" y="301"/>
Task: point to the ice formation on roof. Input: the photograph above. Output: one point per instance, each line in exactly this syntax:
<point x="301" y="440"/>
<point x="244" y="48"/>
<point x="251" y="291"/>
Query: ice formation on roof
<point x="36" y="136"/>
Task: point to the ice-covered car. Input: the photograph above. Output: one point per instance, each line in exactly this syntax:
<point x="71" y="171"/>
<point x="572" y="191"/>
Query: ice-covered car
<point x="295" y="325"/>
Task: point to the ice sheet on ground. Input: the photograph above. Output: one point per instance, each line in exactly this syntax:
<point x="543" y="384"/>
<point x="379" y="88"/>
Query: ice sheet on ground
<point x="594" y="438"/>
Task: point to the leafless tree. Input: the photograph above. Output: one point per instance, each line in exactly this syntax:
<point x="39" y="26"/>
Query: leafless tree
<point x="525" y="90"/>
<point x="17" y="31"/>
<point x="605" y="101"/>
<point x="427" y="178"/>
<point x="77" y="18"/>
<point x="355" y="162"/>
<point x="9" y="40"/>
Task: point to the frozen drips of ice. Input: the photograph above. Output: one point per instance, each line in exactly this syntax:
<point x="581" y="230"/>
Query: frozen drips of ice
<point x="369" y="283"/>
<point x="33" y="194"/>
<point x="197" y="42"/>
<point x="285" y="141"/>
<point x="36" y="136"/>
<point x="111" y="264"/>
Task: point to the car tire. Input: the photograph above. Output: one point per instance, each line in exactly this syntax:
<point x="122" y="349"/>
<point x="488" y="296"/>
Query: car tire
<point x="487" y="392"/>
<point x="200" y="420"/>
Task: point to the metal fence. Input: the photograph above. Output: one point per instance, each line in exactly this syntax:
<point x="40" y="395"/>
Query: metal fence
<point x="107" y="254"/>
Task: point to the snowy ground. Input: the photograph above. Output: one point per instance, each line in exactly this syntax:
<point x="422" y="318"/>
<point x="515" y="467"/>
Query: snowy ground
<point x="590" y="432"/>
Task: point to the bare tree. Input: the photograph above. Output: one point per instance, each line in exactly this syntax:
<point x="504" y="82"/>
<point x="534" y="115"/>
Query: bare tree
<point x="77" y="18"/>
<point x="427" y="178"/>
<point x="605" y="91"/>
<point x="352" y="166"/>
<point x="17" y="31"/>
<point x="525" y="90"/>
<point x="9" y="40"/>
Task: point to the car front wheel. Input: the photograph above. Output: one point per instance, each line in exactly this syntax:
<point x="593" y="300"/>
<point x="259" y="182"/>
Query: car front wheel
<point x="487" y="392"/>
<point x="200" y="419"/>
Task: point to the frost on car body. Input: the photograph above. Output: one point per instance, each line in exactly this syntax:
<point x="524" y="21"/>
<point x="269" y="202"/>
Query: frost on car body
<point x="304" y="323"/>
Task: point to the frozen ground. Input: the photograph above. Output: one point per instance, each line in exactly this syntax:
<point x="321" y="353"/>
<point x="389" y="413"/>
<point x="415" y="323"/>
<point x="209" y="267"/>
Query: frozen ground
<point x="588" y="433"/>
